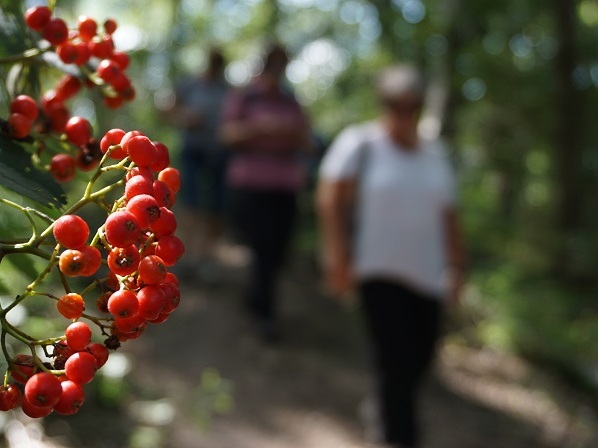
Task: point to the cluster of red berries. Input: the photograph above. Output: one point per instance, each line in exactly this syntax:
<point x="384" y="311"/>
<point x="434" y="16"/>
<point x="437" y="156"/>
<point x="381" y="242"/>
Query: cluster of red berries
<point x="137" y="245"/>
<point x="99" y="63"/>
<point x="77" y="130"/>
<point x="83" y="46"/>
<point x="129" y="255"/>
<point x="44" y="391"/>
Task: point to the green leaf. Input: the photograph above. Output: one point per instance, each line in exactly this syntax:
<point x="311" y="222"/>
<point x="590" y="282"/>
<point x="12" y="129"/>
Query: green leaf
<point x="25" y="264"/>
<point x="18" y="174"/>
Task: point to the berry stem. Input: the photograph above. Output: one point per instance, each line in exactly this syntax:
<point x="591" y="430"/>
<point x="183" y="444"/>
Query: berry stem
<point x="26" y="56"/>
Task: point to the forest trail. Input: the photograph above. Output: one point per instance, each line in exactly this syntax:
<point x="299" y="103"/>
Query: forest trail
<point x="307" y="391"/>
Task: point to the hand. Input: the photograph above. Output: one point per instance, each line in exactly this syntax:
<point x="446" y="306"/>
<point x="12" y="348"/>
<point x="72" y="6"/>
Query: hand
<point x="339" y="279"/>
<point x="455" y="287"/>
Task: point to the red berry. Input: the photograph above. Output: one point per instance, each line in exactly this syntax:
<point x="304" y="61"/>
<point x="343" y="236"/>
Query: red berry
<point x="71" y="231"/>
<point x="78" y="335"/>
<point x="71" y="398"/>
<point x="43" y="390"/>
<point x="19" y="125"/>
<point x="113" y="102"/>
<point x="100" y="352"/>
<point x="110" y="26"/>
<point x="111" y="282"/>
<point x="62" y="167"/>
<point x="151" y="301"/>
<point x="55" y="31"/>
<point x="166" y="224"/>
<point x="129" y="135"/>
<point x="72" y="263"/>
<point x="163" y="194"/>
<point x="102" y="301"/>
<point x="61" y="353"/>
<point x="71" y="305"/>
<point x="93" y="260"/>
<point x="22" y="368"/>
<point x="131" y="326"/>
<point x="172" y="295"/>
<point x="81" y="367"/>
<point x="68" y="87"/>
<point x="137" y="185"/>
<point x="25" y="105"/>
<point x="140" y="171"/>
<point x="170" y="249"/>
<point x="122" y="228"/>
<point x="171" y="177"/>
<point x="141" y="150"/>
<point x="152" y="270"/>
<point x="33" y="411"/>
<point x="50" y="100"/>
<point x="59" y="115"/>
<point x="87" y="28"/>
<point x="123" y="260"/>
<point x="83" y="53"/>
<point x="162" y="159"/>
<point x="68" y="52"/>
<point x="108" y="70"/>
<point x="162" y="317"/>
<point x="111" y="138"/>
<point x="78" y="131"/>
<point x="10" y="397"/>
<point x="37" y="17"/>
<point x="171" y="278"/>
<point x="101" y="47"/>
<point x="121" y="83"/>
<point x="145" y="208"/>
<point x="123" y="304"/>
<point x="121" y="59"/>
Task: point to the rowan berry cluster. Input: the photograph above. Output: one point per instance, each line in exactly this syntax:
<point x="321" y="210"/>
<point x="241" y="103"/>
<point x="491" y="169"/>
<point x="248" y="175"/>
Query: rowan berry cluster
<point x="123" y="263"/>
<point x="97" y="63"/>
<point x="85" y="48"/>
<point x="128" y="255"/>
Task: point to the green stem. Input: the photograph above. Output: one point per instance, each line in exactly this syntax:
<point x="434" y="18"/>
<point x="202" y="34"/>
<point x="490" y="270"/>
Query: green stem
<point x="7" y="327"/>
<point x="30" y="289"/>
<point x="23" y="57"/>
<point x="49" y="341"/>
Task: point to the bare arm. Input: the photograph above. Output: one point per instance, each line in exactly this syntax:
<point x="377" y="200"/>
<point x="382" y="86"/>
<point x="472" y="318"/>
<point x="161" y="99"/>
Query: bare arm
<point x="334" y="201"/>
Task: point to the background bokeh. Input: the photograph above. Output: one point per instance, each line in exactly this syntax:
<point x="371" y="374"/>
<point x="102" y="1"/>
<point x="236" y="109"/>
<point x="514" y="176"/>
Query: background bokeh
<point x="513" y="92"/>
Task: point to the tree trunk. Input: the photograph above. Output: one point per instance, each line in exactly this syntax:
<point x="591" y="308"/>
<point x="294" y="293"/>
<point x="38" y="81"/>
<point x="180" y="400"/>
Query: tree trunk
<point x="568" y="129"/>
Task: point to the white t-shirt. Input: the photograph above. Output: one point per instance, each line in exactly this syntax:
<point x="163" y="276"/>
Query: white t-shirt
<point x="402" y="195"/>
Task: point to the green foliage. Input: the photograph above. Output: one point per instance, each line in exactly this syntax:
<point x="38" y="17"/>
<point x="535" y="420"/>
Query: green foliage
<point x="18" y="174"/>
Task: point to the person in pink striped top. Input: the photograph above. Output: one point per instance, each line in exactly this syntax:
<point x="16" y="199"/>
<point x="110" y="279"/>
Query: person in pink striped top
<point x="268" y="131"/>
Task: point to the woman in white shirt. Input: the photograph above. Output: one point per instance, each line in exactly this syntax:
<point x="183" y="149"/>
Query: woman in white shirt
<point x="387" y="208"/>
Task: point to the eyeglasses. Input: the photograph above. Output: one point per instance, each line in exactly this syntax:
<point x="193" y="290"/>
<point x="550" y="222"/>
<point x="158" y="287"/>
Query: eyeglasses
<point x="402" y="107"/>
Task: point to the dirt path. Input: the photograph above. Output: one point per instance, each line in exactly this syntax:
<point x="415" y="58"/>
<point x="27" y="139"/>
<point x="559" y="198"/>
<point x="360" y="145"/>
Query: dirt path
<point x="306" y="391"/>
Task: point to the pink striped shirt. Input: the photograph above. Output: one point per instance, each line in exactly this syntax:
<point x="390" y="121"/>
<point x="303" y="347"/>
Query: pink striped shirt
<point x="266" y="162"/>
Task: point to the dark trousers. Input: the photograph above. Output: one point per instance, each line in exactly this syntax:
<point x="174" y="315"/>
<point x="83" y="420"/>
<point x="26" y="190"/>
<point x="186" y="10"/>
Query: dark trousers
<point x="265" y="222"/>
<point x="404" y="327"/>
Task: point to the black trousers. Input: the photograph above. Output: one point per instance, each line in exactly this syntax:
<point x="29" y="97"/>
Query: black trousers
<point x="404" y="328"/>
<point x="265" y="221"/>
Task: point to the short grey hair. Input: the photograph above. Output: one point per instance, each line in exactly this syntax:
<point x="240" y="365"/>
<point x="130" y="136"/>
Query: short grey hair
<point x="399" y="79"/>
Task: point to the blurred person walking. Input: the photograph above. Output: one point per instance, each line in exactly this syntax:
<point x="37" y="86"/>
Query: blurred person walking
<point x="268" y="131"/>
<point x="203" y="160"/>
<point x="388" y="219"/>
